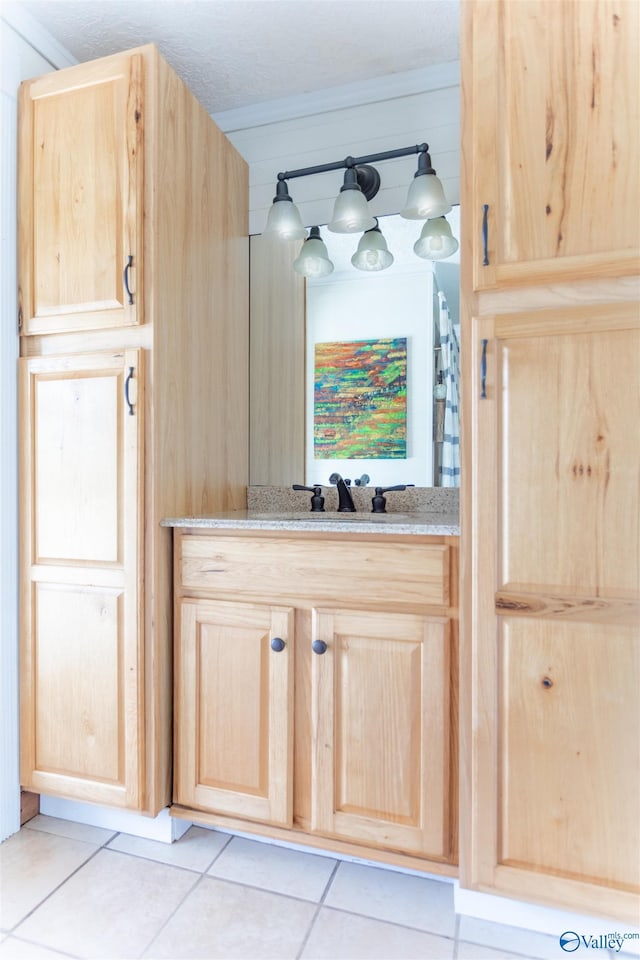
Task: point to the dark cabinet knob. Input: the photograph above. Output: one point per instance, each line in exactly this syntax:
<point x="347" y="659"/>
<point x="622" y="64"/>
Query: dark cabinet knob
<point x="278" y="644"/>
<point x="319" y="646"/>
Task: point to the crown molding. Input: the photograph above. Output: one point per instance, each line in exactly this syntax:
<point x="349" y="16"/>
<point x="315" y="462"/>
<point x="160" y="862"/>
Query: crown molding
<point x="33" y="33"/>
<point x="389" y="87"/>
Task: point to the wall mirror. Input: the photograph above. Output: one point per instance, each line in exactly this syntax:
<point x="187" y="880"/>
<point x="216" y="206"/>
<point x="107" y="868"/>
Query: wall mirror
<point x="382" y="363"/>
<point x="356" y="372"/>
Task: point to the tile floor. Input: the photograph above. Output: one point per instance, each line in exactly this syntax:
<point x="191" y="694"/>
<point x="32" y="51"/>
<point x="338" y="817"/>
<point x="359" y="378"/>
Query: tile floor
<point x="68" y="890"/>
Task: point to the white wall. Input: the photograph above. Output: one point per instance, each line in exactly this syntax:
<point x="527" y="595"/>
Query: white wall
<point x="26" y="52"/>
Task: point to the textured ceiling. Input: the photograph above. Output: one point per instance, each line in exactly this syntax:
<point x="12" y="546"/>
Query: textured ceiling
<point x="234" y="53"/>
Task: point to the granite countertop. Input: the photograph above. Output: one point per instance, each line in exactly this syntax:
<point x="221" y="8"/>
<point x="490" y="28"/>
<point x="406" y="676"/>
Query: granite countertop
<point x="415" y="523"/>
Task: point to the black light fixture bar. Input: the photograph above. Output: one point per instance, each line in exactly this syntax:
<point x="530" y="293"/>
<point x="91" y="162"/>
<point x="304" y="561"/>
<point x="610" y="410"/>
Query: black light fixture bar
<point x="354" y="161"/>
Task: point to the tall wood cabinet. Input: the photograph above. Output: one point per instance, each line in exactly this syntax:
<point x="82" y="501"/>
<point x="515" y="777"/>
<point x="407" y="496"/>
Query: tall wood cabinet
<point x="133" y="310"/>
<point x="551" y="526"/>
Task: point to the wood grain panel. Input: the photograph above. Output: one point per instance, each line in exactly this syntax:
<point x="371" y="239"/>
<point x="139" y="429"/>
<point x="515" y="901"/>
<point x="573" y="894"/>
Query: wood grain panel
<point x="77" y="447"/>
<point x="557" y="790"/>
<point x="78" y="683"/>
<point x="277" y="364"/>
<point x="554" y="148"/>
<point x="234" y="709"/>
<point x="80" y="130"/>
<point x="380" y="730"/>
<point x="81" y="675"/>
<point x="550" y="522"/>
<point x="574" y="468"/>
<point x="393" y="573"/>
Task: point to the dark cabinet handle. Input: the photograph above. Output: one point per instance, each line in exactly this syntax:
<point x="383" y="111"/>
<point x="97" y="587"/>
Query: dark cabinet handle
<point x="125" y="278"/>
<point x="483" y="371"/>
<point x="485" y="234"/>
<point x="126" y="391"/>
<point x="278" y="644"/>
<point x="319" y="647"/>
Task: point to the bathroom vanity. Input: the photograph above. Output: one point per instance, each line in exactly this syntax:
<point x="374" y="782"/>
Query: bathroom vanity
<point x="316" y="680"/>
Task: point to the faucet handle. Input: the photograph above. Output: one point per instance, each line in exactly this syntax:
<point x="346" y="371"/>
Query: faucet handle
<point x="378" y="503"/>
<point x="317" y="500"/>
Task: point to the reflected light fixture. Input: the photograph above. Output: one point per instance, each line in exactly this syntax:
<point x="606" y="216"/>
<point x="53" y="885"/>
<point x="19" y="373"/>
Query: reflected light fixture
<point x="313" y="259"/>
<point x="425" y="201"/>
<point x="372" y="252"/>
<point x="436" y="242"/>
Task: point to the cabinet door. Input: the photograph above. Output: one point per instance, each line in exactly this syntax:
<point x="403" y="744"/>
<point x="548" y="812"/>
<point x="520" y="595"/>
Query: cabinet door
<point x="80" y="197"/>
<point x="380" y="719"/>
<point x="550" y="144"/>
<point x="552" y="731"/>
<point x="81" y="516"/>
<point x="234" y="709"/>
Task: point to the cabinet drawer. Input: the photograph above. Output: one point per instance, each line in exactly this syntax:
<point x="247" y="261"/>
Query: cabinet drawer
<point x="389" y="573"/>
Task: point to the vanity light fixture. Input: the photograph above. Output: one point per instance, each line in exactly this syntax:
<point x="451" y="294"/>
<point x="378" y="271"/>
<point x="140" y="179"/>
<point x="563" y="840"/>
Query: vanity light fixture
<point x="313" y="259"/>
<point x="436" y="242"/>
<point x="426" y="197"/>
<point x="284" y="218"/>
<point x="425" y="200"/>
<point x="372" y="252"/>
<point x="351" y="210"/>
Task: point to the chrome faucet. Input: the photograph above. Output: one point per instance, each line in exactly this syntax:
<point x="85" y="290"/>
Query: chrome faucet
<point x="345" y="500"/>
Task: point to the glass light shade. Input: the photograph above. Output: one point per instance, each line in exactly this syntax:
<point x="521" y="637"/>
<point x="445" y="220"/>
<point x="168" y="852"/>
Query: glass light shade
<point x="313" y="259"/>
<point x="425" y="199"/>
<point x="372" y="252"/>
<point x="436" y="241"/>
<point x="284" y="221"/>
<point x="351" y="210"/>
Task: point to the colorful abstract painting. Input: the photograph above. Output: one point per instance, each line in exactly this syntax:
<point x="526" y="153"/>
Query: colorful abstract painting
<point x="360" y="400"/>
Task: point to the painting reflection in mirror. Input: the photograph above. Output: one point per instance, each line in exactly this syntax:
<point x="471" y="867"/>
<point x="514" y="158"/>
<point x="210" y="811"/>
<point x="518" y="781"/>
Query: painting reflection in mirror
<point x="414" y="302"/>
<point x="360" y="399"/>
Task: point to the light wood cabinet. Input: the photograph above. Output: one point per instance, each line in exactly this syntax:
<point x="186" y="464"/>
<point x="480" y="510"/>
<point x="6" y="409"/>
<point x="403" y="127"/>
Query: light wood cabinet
<point x="551" y="96"/>
<point x="550" y="649"/>
<point x="126" y="409"/>
<point x="82" y="205"/>
<point x="380" y="721"/>
<point x="234" y="696"/>
<point x="316" y="688"/>
<point x="82" y="526"/>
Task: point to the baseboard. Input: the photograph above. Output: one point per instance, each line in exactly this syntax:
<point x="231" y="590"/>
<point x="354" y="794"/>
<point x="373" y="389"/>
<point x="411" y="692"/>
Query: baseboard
<point x="532" y="916"/>
<point x="164" y="828"/>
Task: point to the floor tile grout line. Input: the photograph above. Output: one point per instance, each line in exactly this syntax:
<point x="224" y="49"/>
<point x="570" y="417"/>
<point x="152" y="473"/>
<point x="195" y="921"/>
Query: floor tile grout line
<point x="62" y="882"/>
<point x="501" y="949"/>
<point x="167" y="863"/>
<point x="53" y="833"/>
<point x="218" y="854"/>
<point x="253" y="886"/>
<point x="36" y="943"/>
<point x="160" y="863"/>
<point x="317" y="910"/>
<point x="393" y="923"/>
<point x="188" y="893"/>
